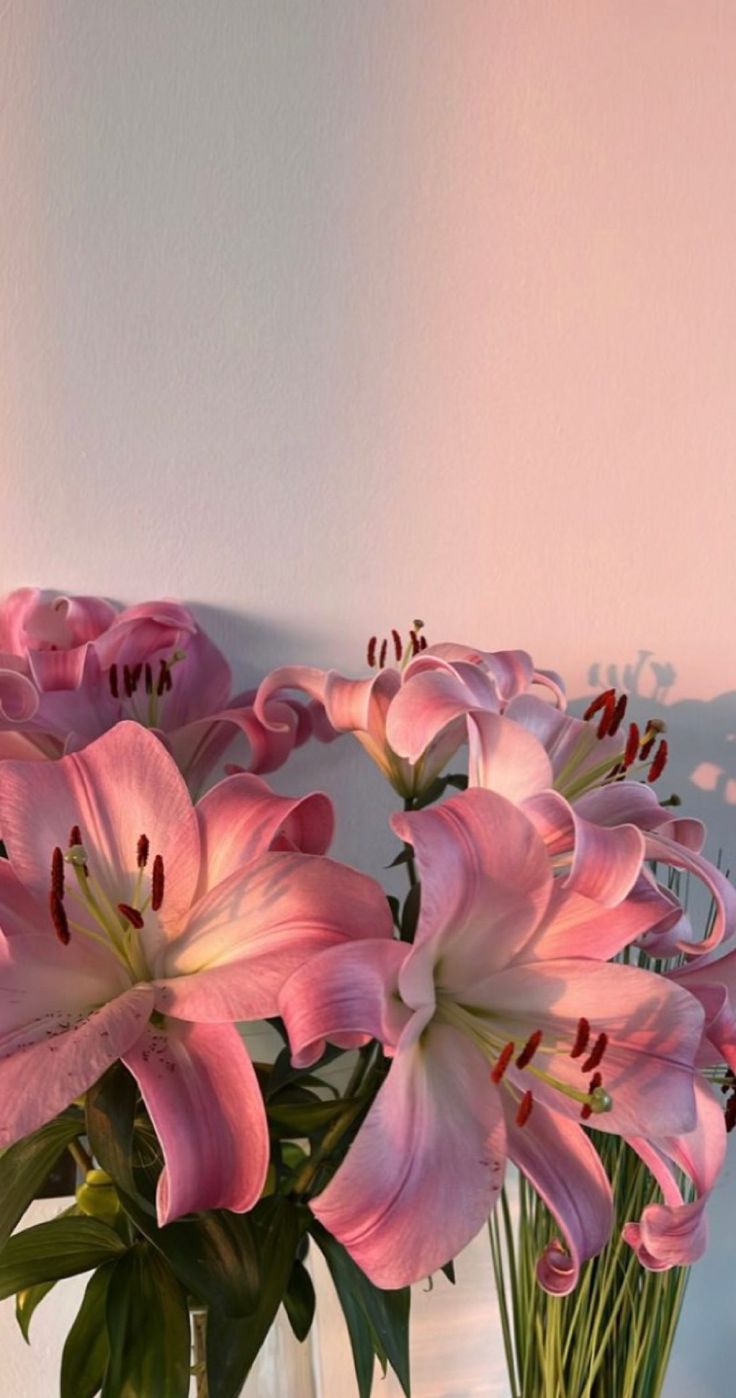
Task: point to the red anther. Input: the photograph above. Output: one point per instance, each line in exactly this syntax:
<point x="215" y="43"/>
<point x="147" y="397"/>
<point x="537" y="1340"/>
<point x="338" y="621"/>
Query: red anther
<point x="57" y="873"/>
<point x="730" y="1113"/>
<point x="128" y="682"/>
<point x="372" y="651"/>
<point x="502" y="1063"/>
<point x="525" y="1109"/>
<point x="415" y="646"/>
<point x="149" y="679"/>
<point x="169" y="680"/>
<point x="142" y="849"/>
<point x="75" y="836"/>
<point x="161" y="686"/>
<point x="529" y="1049"/>
<point x="659" y="761"/>
<point x="157" y="883"/>
<point x="581" y="1039"/>
<point x="132" y="914"/>
<point x="587" y="1110"/>
<point x="59" y="918"/>
<point x="595" y="1055"/>
<point x="382" y="654"/>
<point x="398" y="645"/>
<point x="113" y="681"/>
<point x="601" y="701"/>
<point x="632" y="745"/>
<point x="606" y="719"/>
<point x="422" y="642"/>
<point x="618" y="713"/>
<point x="136" y="674"/>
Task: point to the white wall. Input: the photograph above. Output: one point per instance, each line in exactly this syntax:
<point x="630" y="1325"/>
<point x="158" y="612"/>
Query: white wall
<point x="323" y="313"/>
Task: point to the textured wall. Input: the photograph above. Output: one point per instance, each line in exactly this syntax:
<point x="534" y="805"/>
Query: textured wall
<point x="323" y="313"/>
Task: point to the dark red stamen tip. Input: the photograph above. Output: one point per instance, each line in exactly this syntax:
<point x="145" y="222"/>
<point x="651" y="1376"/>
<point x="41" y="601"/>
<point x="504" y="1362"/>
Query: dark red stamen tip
<point x="422" y="642"/>
<point x="587" y="1110"/>
<point x="132" y="914"/>
<point x="169" y="679"/>
<point x="113" y="681"/>
<point x="529" y="1049"/>
<point x="382" y="655"/>
<point x="157" y="883"/>
<point x="601" y="701"/>
<point x="502" y="1063"/>
<point x="581" y="1039"/>
<point x="127" y="682"/>
<point x="618" y="714"/>
<point x="415" y="647"/>
<point x="161" y="686"/>
<point x="372" y="651"/>
<point x="596" y="1054"/>
<point x="730" y="1113"/>
<point x="606" y="718"/>
<point x="632" y="744"/>
<point x="75" y="836"/>
<point x="525" y="1109"/>
<point x="59" y="918"/>
<point x="142" y="851"/>
<point x="57" y="873"/>
<point x="659" y="761"/>
<point x="149" y="679"/>
<point x="398" y="647"/>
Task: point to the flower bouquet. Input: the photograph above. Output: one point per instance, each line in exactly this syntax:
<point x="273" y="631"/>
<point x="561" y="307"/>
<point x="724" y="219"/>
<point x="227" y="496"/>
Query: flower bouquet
<point x="538" y="996"/>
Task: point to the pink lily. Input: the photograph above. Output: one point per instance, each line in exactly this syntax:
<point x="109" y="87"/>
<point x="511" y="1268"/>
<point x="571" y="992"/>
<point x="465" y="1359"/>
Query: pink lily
<point x="172" y="922"/>
<point x="504" y="1042"/>
<point x="73" y="667"/>
<point x="365" y="707"/>
<point x="563" y="772"/>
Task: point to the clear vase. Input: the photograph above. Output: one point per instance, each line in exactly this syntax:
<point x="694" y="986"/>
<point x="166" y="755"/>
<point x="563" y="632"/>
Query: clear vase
<point x="283" y="1364"/>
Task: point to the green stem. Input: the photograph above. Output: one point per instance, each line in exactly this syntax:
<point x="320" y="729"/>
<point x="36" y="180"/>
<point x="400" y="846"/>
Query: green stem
<point x="83" y="1161"/>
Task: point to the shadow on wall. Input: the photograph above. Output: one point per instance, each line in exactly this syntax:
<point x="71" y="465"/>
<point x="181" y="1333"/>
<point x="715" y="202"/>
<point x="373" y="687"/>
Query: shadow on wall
<point x="701" y="737"/>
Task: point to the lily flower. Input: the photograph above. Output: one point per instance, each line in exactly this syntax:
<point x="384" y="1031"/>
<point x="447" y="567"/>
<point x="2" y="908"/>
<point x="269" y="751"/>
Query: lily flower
<point x="72" y="667"/>
<point x="505" y="1043"/>
<point x="137" y="926"/>
<point x="365" y="707"/>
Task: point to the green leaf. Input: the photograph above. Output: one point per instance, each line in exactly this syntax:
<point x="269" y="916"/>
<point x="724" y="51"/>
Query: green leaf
<point x="26" y="1302"/>
<point x="60" y="1248"/>
<point x="232" y="1345"/>
<point x="449" y="1271"/>
<point x="215" y="1255"/>
<point x="24" y="1167"/>
<point x="300" y="1300"/>
<point x="87" y="1349"/>
<point x="148" y="1328"/>
<point x="375" y="1318"/>
<point x="303" y="1119"/>
<point x="110" y="1110"/>
<point x="283" y="1072"/>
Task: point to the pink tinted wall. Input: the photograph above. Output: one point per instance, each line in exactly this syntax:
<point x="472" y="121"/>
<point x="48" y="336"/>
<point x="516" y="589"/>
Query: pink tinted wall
<point x="326" y="314"/>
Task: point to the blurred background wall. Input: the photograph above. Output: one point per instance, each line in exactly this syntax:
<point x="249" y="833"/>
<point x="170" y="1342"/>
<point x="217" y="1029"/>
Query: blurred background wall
<point x="325" y="314"/>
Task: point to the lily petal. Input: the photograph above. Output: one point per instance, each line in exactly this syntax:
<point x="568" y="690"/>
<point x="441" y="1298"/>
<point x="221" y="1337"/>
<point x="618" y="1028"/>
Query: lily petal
<point x="241" y="818"/>
<point x="574" y="925"/>
<point x="202" y="1093"/>
<point x="485" y="882"/>
<point x="606" y="861"/>
<point x="432" y="696"/>
<point x="123" y="786"/>
<point x="427" y="1165"/>
<point x="345" y="990"/>
<point x="45" y="1065"/>
<point x="250" y="933"/>
<point x="503" y="757"/>
<point x="561" y="1162"/>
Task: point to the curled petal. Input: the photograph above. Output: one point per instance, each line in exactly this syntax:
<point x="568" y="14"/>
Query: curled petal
<point x="504" y="757"/>
<point x="606" y="861"/>
<point x="574" y="925"/>
<point x="426" y="1166"/>
<point x="561" y="1162"/>
<point x="305" y="677"/>
<point x="665" y="850"/>
<point x="241" y="818"/>
<point x="350" y="989"/>
<point x="203" y="1097"/>
<point x="432" y="696"/>
<point x="18" y="695"/>
<point x="200" y="745"/>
